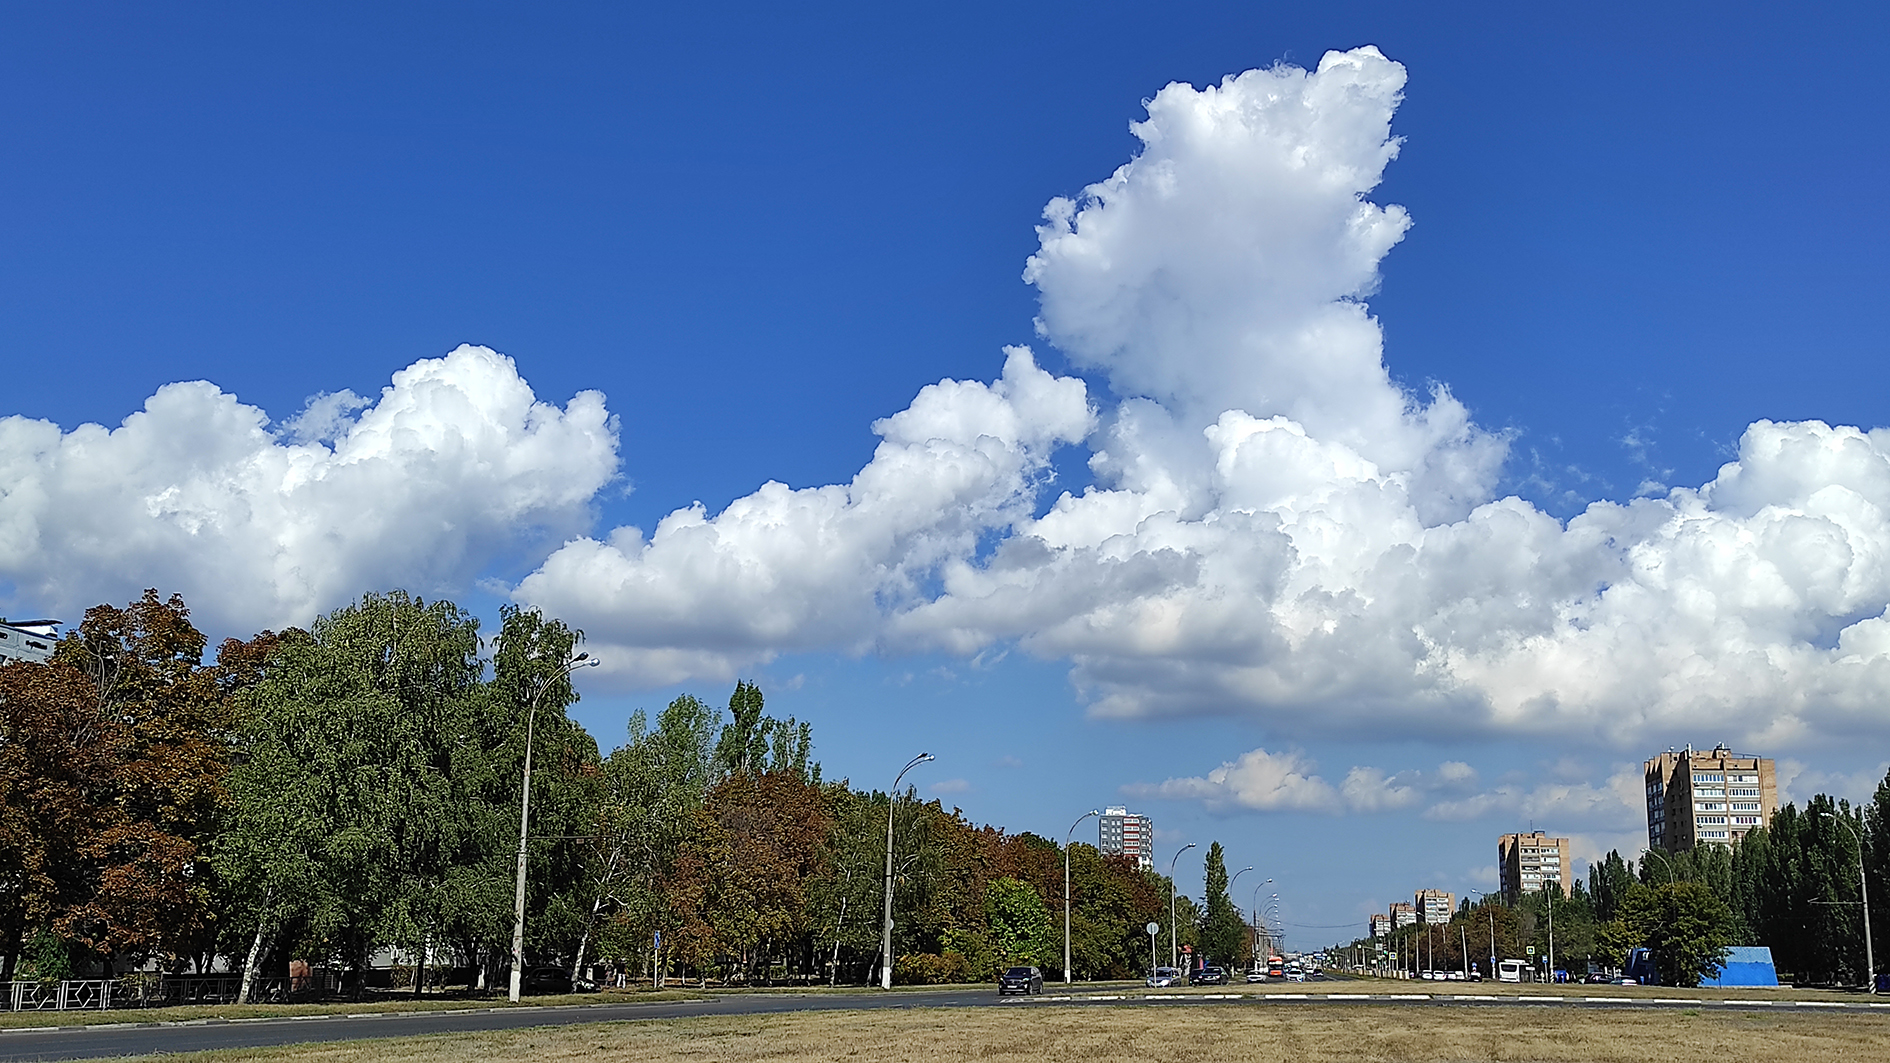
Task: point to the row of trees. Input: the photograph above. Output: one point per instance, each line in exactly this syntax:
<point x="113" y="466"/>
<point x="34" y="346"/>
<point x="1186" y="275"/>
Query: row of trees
<point x="1792" y="886"/>
<point x="352" y="791"/>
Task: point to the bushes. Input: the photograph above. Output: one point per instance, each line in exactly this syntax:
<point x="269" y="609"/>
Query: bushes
<point x="926" y="969"/>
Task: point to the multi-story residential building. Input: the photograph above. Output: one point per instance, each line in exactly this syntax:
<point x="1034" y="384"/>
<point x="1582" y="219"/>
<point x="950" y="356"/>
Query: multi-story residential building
<point x="1381" y="926"/>
<point x="27" y="640"/>
<point x="1527" y="863"/>
<point x="1402" y="915"/>
<point x="1717" y="796"/>
<point x="1121" y="832"/>
<point x="1435" y="906"/>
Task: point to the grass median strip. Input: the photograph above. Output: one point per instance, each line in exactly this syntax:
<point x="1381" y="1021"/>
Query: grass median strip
<point x="1067" y="1033"/>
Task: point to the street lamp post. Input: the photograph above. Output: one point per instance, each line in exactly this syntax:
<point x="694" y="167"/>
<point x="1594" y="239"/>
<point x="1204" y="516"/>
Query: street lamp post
<point x="1664" y="862"/>
<point x="1230" y="898"/>
<point x="1484" y="900"/>
<point x="1066" y="889"/>
<point x="1863" y="896"/>
<point x="1174" y="955"/>
<point x="1273" y="906"/>
<point x="885" y="939"/>
<point x="1256" y="917"/>
<point x="582" y="660"/>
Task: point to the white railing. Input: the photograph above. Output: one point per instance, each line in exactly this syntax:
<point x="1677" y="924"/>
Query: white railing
<point x="149" y="992"/>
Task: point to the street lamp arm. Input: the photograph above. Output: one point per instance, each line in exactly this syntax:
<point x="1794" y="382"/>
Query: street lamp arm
<point x="885" y="942"/>
<point x="1066" y="889"/>
<point x="1863" y="900"/>
<point x="582" y="660"/>
<point x="1174" y="954"/>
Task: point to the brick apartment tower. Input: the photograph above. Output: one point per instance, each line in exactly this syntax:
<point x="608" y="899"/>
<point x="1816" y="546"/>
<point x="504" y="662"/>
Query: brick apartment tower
<point x="1435" y="906"/>
<point x="1716" y="796"/>
<point x="1525" y="863"/>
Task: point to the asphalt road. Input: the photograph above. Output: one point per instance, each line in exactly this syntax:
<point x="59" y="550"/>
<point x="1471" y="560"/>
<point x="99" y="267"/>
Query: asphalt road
<point x="91" y="1042"/>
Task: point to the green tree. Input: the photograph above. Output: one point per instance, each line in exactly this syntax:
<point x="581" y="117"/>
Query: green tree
<point x="1021" y="931"/>
<point x="1223" y="932"/>
<point x="1686" y="924"/>
<point x="362" y="811"/>
<point x="652" y="788"/>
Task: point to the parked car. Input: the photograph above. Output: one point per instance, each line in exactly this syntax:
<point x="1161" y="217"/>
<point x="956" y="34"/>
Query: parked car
<point x="1208" y="976"/>
<point x="1163" y="976"/>
<point x="1025" y="980"/>
<point x="1597" y="979"/>
<point x="553" y="980"/>
<point x="1256" y="975"/>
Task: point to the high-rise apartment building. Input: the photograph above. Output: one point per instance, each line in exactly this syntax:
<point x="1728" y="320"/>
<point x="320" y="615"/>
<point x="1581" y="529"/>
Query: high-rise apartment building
<point x="1402" y="915"/>
<point x="1381" y="926"/>
<point x="1435" y="906"/>
<point x="1528" y="863"/>
<point x="1121" y="832"/>
<point x="1716" y="796"/>
<point x="27" y="640"/>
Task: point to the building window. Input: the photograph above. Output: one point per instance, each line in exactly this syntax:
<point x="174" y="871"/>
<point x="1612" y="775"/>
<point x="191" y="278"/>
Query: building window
<point x="1705" y="778"/>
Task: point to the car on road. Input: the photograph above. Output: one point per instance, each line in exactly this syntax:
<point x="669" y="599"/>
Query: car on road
<point x="1162" y="977"/>
<point x="1024" y="980"/>
<point x="1256" y="975"/>
<point x="1208" y="976"/>
<point x="553" y="980"/>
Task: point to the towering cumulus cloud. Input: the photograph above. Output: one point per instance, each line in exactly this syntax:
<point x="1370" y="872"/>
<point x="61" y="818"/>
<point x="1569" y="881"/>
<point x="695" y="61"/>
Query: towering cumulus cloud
<point x="456" y="463"/>
<point x="1277" y="528"/>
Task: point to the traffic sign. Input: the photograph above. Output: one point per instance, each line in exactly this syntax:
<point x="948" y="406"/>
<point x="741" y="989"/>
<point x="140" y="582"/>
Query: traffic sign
<point x="1532" y="950"/>
<point x="1154" y="928"/>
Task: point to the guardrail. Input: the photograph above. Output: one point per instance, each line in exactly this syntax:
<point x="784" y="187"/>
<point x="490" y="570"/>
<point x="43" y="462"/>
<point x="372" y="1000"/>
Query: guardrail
<point x="149" y="992"/>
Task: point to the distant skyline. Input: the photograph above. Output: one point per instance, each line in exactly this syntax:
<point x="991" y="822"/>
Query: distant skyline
<point x="1350" y="436"/>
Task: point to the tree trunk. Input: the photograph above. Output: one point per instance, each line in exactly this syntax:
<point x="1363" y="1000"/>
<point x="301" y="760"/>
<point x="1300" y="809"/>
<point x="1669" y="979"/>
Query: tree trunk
<point x="255" y="953"/>
<point x="420" y="966"/>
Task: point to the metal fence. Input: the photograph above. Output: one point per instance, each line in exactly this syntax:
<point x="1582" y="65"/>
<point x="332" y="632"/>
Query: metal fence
<point x="151" y="992"/>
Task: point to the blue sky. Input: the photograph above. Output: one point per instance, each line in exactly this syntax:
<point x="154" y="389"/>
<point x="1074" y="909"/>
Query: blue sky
<point x="756" y="232"/>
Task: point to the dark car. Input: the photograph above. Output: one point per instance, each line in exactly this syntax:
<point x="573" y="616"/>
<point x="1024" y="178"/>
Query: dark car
<point x="1207" y="976"/>
<point x="1020" y="980"/>
<point x="553" y="980"/>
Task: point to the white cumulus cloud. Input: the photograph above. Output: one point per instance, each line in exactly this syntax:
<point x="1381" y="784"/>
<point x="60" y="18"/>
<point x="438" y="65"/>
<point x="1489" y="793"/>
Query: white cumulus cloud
<point x="455" y="464"/>
<point x="1277" y="527"/>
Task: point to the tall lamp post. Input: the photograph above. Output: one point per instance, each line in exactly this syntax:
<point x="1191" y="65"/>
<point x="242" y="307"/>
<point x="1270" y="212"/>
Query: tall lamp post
<point x="1230" y="897"/>
<point x="1664" y="862"/>
<point x="1066" y="889"/>
<point x="1484" y="900"/>
<point x="1274" y="942"/>
<point x="885" y="938"/>
<point x="1174" y="955"/>
<point x="582" y="660"/>
<point x="1863" y="896"/>
<point x="1256" y="917"/>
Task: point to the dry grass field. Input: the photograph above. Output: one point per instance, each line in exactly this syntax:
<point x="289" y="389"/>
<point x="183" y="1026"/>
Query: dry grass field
<point x="1093" y="1034"/>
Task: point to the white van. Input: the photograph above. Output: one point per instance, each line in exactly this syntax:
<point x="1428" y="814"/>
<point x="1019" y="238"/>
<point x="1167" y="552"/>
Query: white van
<point x="1511" y="970"/>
